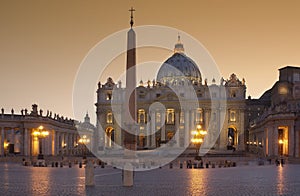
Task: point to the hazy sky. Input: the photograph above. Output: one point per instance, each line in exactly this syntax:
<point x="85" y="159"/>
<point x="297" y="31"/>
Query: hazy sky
<point x="42" y="43"/>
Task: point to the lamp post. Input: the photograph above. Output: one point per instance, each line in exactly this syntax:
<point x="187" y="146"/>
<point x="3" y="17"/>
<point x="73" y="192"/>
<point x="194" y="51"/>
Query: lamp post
<point x="6" y="144"/>
<point x="40" y="133"/>
<point x="281" y="146"/>
<point x="84" y="141"/>
<point x="198" y="137"/>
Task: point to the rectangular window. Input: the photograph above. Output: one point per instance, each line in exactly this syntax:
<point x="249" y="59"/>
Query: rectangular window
<point x="199" y="115"/>
<point x="141" y="116"/>
<point x="181" y="117"/>
<point x="232" y="116"/>
<point x="170" y="116"/>
<point x="158" y="117"/>
<point x="109" y="118"/>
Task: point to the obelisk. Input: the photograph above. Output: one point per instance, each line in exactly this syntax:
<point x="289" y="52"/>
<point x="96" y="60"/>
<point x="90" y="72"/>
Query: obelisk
<point x="130" y="106"/>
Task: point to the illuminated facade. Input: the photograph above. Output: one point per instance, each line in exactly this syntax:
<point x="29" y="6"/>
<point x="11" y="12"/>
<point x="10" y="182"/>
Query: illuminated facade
<point x="157" y="127"/>
<point x="21" y="134"/>
<point x="274" y="118"/>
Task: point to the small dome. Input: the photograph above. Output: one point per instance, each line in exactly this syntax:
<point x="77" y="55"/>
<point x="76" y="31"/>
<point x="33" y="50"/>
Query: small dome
<point x="178" y="68"/>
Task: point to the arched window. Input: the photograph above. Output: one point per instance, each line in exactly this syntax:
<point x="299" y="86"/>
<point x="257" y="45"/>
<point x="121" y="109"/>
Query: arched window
<point x="141" y="116"/>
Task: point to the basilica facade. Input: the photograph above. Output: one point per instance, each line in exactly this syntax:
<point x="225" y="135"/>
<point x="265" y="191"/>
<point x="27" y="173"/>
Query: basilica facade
<point x="219" y="108"/>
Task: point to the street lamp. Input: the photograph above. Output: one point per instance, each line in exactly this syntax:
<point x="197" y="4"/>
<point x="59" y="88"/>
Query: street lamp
<point x="84" y="141"/>
<point x="281" y="146"/>
<point x="198" y="136"/>
<point x="6" y="144"/>
<point x="40" y="134"/>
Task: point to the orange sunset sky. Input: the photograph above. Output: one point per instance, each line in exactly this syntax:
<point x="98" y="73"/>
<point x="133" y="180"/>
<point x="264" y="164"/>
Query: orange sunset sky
<point x="42" y="43"/>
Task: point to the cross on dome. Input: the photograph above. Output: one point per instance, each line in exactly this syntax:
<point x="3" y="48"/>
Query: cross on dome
<point x="178" y="46"/>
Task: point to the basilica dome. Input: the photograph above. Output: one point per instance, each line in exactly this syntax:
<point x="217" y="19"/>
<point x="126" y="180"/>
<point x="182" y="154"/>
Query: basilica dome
<point x="178" y="68"/>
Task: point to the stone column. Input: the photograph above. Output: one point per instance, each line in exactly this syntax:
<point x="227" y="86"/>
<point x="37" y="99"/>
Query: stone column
<point x="153" y="130"/>
<point x="163" y="128"/>
<point x="291" y="140"/>
<point x="241" y="141"/>
<point x="296" y="143"/>
<point x="148" y="132"/>
<point x="13" y="139"/>
<point x="26" y="142"/>
<point x="177" y="131"/>
<point x="275" y="140"/>
<point x="270" y="140"/>
<point x="2" y="139"/>
<point x="56" y="142"/>
<point x="192" y="120"/>
<point x="206" y="124"/>
<point x="186" y="128"/>
<point x="224" y="132"/>
<point x="53" y="140"/>
<point x="70" y="144"/>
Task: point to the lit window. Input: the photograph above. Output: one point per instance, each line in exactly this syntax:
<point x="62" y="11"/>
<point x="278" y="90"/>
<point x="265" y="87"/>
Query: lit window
<point x="108" y="96"/>
<point x="158" y="117"/>
<point x="141" y="116"/>
<point x="181" y="117"/>
<point x="233" y="94"/>
<point x="199" y="115"/>
<point x="232" y="116"/>
<point x="170" y="116"/>
<point x="109" y="118"/>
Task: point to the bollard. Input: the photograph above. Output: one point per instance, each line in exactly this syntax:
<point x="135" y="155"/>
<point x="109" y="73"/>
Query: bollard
<point x="281" y="162"/>
<point x="234" y="164"/>
<point x="80" y="165"/>
<point x="52" y="164"/>
<point x="61" y="164"/>
<point x="195" y="165"/>
<point x="56" y="164"/>
<point x="89" y="174"/>
<point x="206" y="165"/>
<point x="201" y="165"/>
<point x="171" y="165"/>
<point x="70" y="164"/>
<point x="102" y="164"/>
<point x="180" y="165"/>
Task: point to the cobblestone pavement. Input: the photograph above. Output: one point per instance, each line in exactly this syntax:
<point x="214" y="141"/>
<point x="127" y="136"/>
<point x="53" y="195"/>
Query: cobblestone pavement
<point x="245" y="180"/>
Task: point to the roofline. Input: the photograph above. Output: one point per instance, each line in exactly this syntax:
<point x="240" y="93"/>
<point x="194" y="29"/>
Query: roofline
<point x="286" y="67"/>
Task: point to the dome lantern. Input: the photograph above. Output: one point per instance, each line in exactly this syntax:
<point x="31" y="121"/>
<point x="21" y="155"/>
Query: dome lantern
<point x="179" y="68"/>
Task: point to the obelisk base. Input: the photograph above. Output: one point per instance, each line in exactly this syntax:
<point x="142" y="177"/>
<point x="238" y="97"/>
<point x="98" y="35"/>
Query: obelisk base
<point x="128" y="175"/>
<point x="89" y="174"/>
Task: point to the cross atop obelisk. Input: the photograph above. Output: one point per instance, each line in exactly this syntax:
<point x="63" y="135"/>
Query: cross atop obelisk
<point x="131" y="16"/>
